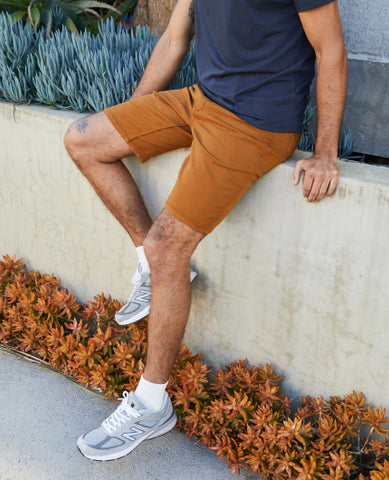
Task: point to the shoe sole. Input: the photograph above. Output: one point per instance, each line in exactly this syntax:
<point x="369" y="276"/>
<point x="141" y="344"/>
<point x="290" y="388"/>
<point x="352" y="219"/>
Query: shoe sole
<point x="166" y="427"/>
<point x="133" y="319"/>
<point x="146" y="311"/>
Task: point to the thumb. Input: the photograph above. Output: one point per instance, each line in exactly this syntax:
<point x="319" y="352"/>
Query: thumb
<point x="298" y="169"/>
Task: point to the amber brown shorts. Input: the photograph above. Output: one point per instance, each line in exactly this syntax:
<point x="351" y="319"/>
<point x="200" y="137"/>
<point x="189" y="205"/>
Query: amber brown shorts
<point x="227" y="155"/>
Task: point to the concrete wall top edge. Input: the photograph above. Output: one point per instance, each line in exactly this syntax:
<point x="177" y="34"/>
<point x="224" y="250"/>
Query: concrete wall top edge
<point x="350" y="169"/>
<point x="37" y="109"/>
<point x="366" y="57"/>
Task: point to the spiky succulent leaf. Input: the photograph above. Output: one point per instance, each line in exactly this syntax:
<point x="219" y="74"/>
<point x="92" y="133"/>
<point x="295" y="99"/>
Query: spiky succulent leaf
<point x="84" y="4"/>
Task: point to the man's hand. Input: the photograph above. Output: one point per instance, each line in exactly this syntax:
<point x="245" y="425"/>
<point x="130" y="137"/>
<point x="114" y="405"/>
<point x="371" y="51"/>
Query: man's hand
<point x="323" y="28"/>
<point x="322" y="173"/>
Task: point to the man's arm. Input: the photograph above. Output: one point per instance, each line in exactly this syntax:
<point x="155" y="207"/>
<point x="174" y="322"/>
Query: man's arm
<point x="323" y="28"/>
<point x="170" y="50"/>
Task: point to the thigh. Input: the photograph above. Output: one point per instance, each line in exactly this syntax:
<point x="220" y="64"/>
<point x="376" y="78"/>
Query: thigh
<point x="226" y="158"/>
<point x="155" y="123"/>
<point x="95" y="137"/>
<point x="206" y="191"/>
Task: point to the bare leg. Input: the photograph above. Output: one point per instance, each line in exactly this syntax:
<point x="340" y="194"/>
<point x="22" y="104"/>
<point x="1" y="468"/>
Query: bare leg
<point x="97" y="149"/>
<point x="168" y="246"/>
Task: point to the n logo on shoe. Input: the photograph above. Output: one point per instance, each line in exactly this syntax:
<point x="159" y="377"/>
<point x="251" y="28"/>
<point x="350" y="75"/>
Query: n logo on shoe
<point x="132" y="436"/>
<point x="144" y="296"/>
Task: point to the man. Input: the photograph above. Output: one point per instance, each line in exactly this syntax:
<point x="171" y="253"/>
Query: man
<point x="255" y="61"/>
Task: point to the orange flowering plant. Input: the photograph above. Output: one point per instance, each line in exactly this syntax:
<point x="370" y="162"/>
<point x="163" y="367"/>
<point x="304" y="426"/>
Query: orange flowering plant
<point x="240" y="411"/>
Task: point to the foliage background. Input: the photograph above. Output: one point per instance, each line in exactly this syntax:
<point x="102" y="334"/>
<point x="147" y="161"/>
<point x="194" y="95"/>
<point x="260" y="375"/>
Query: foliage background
<point x="75" y="15"/>
<point x="85" y="72"/>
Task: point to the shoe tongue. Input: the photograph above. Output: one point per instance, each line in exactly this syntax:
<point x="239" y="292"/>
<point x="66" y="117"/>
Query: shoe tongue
<point x="134" y="402"/>
<point x="137" y="277"/>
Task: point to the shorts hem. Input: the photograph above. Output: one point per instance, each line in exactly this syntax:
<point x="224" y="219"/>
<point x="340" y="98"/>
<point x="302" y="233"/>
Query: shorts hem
<point x="143" y="157"/>
<point x="138" y="152"/>
<point x="188" y="223"/>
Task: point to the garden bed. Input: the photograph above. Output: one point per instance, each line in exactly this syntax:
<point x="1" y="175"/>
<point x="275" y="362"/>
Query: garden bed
<point x="240" y="412"/>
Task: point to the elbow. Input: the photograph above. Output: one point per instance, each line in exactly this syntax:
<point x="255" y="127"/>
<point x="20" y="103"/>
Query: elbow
<point x="341" y="55"/>
<point x="178" y="39"/>
<point x="334" y="56"/>
<point x="175" y="46"/>
<point x="180" y="44"/>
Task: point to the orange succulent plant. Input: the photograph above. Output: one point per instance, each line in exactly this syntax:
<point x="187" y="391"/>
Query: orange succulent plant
<point x="240" y="411"/>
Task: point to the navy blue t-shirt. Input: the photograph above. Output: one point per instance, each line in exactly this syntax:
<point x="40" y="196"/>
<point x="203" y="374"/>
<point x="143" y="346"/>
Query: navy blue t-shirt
<point x="254" y="59"/>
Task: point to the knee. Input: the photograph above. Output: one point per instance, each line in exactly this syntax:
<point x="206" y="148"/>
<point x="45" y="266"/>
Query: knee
<point x="169" y="244"/>
<point x="164" y="253"/>
<point x="155" y="250"/>
<point x="77" y="142"/>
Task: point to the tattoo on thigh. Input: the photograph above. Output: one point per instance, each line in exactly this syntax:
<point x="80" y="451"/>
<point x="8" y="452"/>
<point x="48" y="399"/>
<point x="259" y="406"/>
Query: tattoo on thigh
<point x="81" y="126"/>
<point x="191" y="11"/>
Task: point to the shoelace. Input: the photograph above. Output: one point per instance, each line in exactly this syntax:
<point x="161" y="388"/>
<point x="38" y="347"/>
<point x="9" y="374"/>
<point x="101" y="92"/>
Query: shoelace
<point x="121" y="415"/>
<point x="136" y="280"/>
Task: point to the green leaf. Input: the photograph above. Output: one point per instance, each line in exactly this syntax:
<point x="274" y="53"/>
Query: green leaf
<point x="14" y="4"/>
<point x="47" y="20"/>
<point x="125" y="7"/>
<point x="36" y="16"/>
<point x="18" y="15"/>
<point x="83" y="4"/>
<point x="93" y="12"/>
<point x="73" y="22"/>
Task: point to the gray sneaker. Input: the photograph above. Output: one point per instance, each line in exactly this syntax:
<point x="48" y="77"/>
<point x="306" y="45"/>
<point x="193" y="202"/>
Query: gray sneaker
<point x="138" y="305"/>
<point x="126" y="428"/>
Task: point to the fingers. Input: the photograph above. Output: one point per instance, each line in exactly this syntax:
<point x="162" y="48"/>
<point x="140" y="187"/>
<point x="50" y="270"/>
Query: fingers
<point x="320" y="180"/>
<point x="332" y="186"/>
<point x="298" y="169"/>
<point x="308" y="184"/>
<point x="318" y="187"/>
<point x="315" y="186"/>
<point x="311" y="186"/>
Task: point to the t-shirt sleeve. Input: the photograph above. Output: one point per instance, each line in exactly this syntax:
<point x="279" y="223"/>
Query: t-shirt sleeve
<point x="302" y="5"/>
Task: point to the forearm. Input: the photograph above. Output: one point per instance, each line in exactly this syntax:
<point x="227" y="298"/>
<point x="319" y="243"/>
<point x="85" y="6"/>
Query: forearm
<point x="164" y="63"/>
<point x="323" y="28"/>
<point x="331" y="94"/>
<point x="170" y="50"/>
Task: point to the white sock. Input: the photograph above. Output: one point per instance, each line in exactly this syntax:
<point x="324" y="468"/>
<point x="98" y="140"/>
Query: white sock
<point x="142" y="259"/>
<point x="151" y="394"/>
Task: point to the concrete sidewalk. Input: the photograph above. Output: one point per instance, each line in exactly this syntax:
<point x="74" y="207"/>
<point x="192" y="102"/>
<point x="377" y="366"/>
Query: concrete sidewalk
<point x="43" y="413"/>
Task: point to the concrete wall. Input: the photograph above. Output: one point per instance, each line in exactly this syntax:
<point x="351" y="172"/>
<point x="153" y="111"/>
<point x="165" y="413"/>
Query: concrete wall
<point x="304" y="286"/>
<point x="366" y="30"/>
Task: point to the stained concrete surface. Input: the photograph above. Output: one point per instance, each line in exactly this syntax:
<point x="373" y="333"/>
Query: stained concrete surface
<point x="367" y="106"/>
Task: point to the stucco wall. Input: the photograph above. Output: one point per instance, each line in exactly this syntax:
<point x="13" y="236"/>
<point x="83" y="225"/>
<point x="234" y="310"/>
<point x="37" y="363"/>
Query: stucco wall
<point x="303" y="286"/>
<point x="366" y="30"/>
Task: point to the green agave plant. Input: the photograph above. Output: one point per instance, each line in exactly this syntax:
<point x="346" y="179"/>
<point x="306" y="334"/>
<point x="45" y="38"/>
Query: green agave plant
<point x="74" y="15"/>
